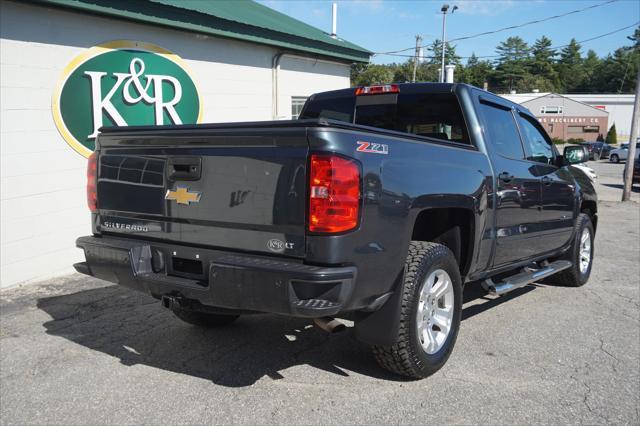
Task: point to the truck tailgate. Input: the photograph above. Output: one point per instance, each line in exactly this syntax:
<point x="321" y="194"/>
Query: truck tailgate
<point x="226" y="188"/>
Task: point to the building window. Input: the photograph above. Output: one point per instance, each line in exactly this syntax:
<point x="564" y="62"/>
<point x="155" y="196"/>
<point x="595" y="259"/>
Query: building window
<point x="551" y="110"/>
<point x="297" y="102"/>
<point x="583" y="129"/>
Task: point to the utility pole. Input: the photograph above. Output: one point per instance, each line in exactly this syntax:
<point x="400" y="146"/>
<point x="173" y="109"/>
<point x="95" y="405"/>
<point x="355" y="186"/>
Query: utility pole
<point x="416" y="56"/>
<point x="635" y="131"/>
<point x="444" y="9"/>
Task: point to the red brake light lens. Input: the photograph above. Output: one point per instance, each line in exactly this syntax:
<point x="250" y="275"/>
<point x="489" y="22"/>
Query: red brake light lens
<point x="377" y="90"/>
<point x="334" y="194"/>
<point x="92" y="182"/>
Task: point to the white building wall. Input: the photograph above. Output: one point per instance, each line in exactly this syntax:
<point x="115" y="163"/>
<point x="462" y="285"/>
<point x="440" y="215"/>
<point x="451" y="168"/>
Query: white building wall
<point x="42" y="190"/>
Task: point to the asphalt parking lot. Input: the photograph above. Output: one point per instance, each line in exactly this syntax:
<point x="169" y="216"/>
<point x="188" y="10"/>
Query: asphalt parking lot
<point x="76" y="350"/>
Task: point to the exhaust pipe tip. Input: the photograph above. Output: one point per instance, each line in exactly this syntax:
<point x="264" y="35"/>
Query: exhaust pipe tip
<point x="330" y="325"/>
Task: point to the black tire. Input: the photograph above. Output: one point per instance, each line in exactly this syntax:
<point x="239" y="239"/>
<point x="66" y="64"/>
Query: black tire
<point x="574" y="277"/>
<point x="614" y="158"/>
<point x="204" y="319"/>
<point x="407" y="356"/>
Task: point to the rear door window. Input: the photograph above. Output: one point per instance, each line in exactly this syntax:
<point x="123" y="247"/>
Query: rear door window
<point x="500" y="127"/>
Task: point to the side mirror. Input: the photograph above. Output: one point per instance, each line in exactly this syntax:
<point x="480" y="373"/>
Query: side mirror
<point x="575" y="154"/>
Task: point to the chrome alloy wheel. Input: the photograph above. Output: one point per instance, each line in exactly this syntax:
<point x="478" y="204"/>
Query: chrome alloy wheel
<point x="585" y="251"/>
<point x="435" y="311"/>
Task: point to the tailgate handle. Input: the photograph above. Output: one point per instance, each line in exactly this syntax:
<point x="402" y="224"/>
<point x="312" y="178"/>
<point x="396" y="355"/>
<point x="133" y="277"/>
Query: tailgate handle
<point x="185" y="168"/>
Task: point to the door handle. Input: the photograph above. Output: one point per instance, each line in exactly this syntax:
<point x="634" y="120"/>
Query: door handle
<point x="546" y="180"/>
<point x="184" y="168"/>
<point x="505" y="177"/>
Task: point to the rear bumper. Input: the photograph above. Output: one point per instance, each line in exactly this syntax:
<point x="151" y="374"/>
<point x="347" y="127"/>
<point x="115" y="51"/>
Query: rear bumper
<point x="226" y="280"/>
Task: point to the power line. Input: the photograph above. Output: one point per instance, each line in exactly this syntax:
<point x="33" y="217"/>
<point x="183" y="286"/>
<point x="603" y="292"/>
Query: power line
<point x="537" y="21"/>
<point x="553" y="47"/>
<point x="510" y="27"/>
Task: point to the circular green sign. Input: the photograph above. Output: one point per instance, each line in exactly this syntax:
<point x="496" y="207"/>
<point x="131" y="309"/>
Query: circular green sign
<point x="122" y="83"/>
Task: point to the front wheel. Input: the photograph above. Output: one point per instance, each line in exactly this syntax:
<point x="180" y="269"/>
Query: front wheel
<point x="614" y="158"/>
<point x="596" y="157"/>
<point x="430" y="314"/>
<point x="580" y="255"/>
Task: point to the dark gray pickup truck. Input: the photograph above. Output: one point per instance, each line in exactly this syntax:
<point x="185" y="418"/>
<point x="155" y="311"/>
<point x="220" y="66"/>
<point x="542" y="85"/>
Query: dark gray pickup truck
<point x="378" y="204"/>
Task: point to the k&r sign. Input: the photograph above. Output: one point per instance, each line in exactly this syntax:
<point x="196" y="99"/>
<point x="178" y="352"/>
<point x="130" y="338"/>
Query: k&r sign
<point x="122" y="83"/>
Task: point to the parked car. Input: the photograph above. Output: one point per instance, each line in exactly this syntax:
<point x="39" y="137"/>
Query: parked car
<point x="379" y="203"/>
<point x="600" y="150"/>
<point x="597" y="150"/>
<point x="620" y="154"/>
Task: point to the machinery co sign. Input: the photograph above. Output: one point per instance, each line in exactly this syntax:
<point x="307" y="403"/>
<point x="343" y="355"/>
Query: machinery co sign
<point x="122" y="83"/>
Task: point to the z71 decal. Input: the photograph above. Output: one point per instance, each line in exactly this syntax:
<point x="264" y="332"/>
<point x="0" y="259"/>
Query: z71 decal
<point x="375" y="148"/>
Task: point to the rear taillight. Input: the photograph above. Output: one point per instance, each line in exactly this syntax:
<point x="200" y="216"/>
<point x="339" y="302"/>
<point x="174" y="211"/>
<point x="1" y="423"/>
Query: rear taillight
<point x="92" y="182"/>
<point x="377" y="90"/>
<point x="334" y="194"/>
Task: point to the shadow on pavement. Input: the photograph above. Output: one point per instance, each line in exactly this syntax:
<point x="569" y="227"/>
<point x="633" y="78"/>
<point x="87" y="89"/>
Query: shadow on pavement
<point x="134" y="328"/>
<point x="474" y="293"/>
<point x="634" y="188"/>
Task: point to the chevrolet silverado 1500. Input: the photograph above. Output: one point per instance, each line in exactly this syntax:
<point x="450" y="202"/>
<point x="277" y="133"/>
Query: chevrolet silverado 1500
<point x="379" y="203"/>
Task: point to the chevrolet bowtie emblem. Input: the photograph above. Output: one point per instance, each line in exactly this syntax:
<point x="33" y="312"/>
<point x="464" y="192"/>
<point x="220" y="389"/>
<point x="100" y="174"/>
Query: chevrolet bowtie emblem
<point x="182" y="195"/>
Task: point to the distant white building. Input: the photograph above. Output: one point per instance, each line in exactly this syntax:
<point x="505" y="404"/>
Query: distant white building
<point x="619" y="107"/>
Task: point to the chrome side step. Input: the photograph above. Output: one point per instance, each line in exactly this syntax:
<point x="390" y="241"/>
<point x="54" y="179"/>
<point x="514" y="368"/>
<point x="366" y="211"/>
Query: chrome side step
<point x="523" y="278"/>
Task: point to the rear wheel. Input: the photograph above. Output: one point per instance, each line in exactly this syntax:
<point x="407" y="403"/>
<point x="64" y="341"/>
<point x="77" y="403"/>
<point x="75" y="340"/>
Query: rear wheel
<point x="430" y="314"/>
<point x="596" y="157"/>
<point x="614" y="158"/>
<point x="580" y="255"/>
<point x="204" y="319"/>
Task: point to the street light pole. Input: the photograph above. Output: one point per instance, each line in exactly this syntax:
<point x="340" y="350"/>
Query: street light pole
<point x="444" y="9"/>
<point x="631" y="156"/>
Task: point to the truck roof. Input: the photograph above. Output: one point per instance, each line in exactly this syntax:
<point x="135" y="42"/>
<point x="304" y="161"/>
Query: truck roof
<point x="427" y="88"/>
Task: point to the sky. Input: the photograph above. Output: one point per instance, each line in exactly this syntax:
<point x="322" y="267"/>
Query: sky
<point x="390" y="25"/>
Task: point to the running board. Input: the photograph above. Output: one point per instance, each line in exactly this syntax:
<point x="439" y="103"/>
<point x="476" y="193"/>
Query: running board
<point x="523" y="278"/>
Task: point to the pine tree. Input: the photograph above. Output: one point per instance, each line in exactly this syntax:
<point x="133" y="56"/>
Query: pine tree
<point x="435" y="54"/>
<point x="511" y="64"/>
<point x="541" y="65"/>
<point x="590" y="66"/>
<point x="570" y="67"/>
<point x="612" y="136"/>
<point x="476" y="72"/>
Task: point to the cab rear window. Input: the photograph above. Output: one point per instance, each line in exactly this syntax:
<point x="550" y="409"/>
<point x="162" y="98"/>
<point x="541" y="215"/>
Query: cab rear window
<point x="433" y="115"/>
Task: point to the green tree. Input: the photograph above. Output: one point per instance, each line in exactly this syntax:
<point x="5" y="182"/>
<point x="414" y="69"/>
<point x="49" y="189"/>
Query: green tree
<point x="590" y="68"/>
<point x="511" y="65"/>
<point x="612" y="136"/>
<point x="435" y="54"/>
<point x="541" y="65"/>
<point x="476" y="72"/>
<point x="570" y="67"/>
<point x="373" y="74"/>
